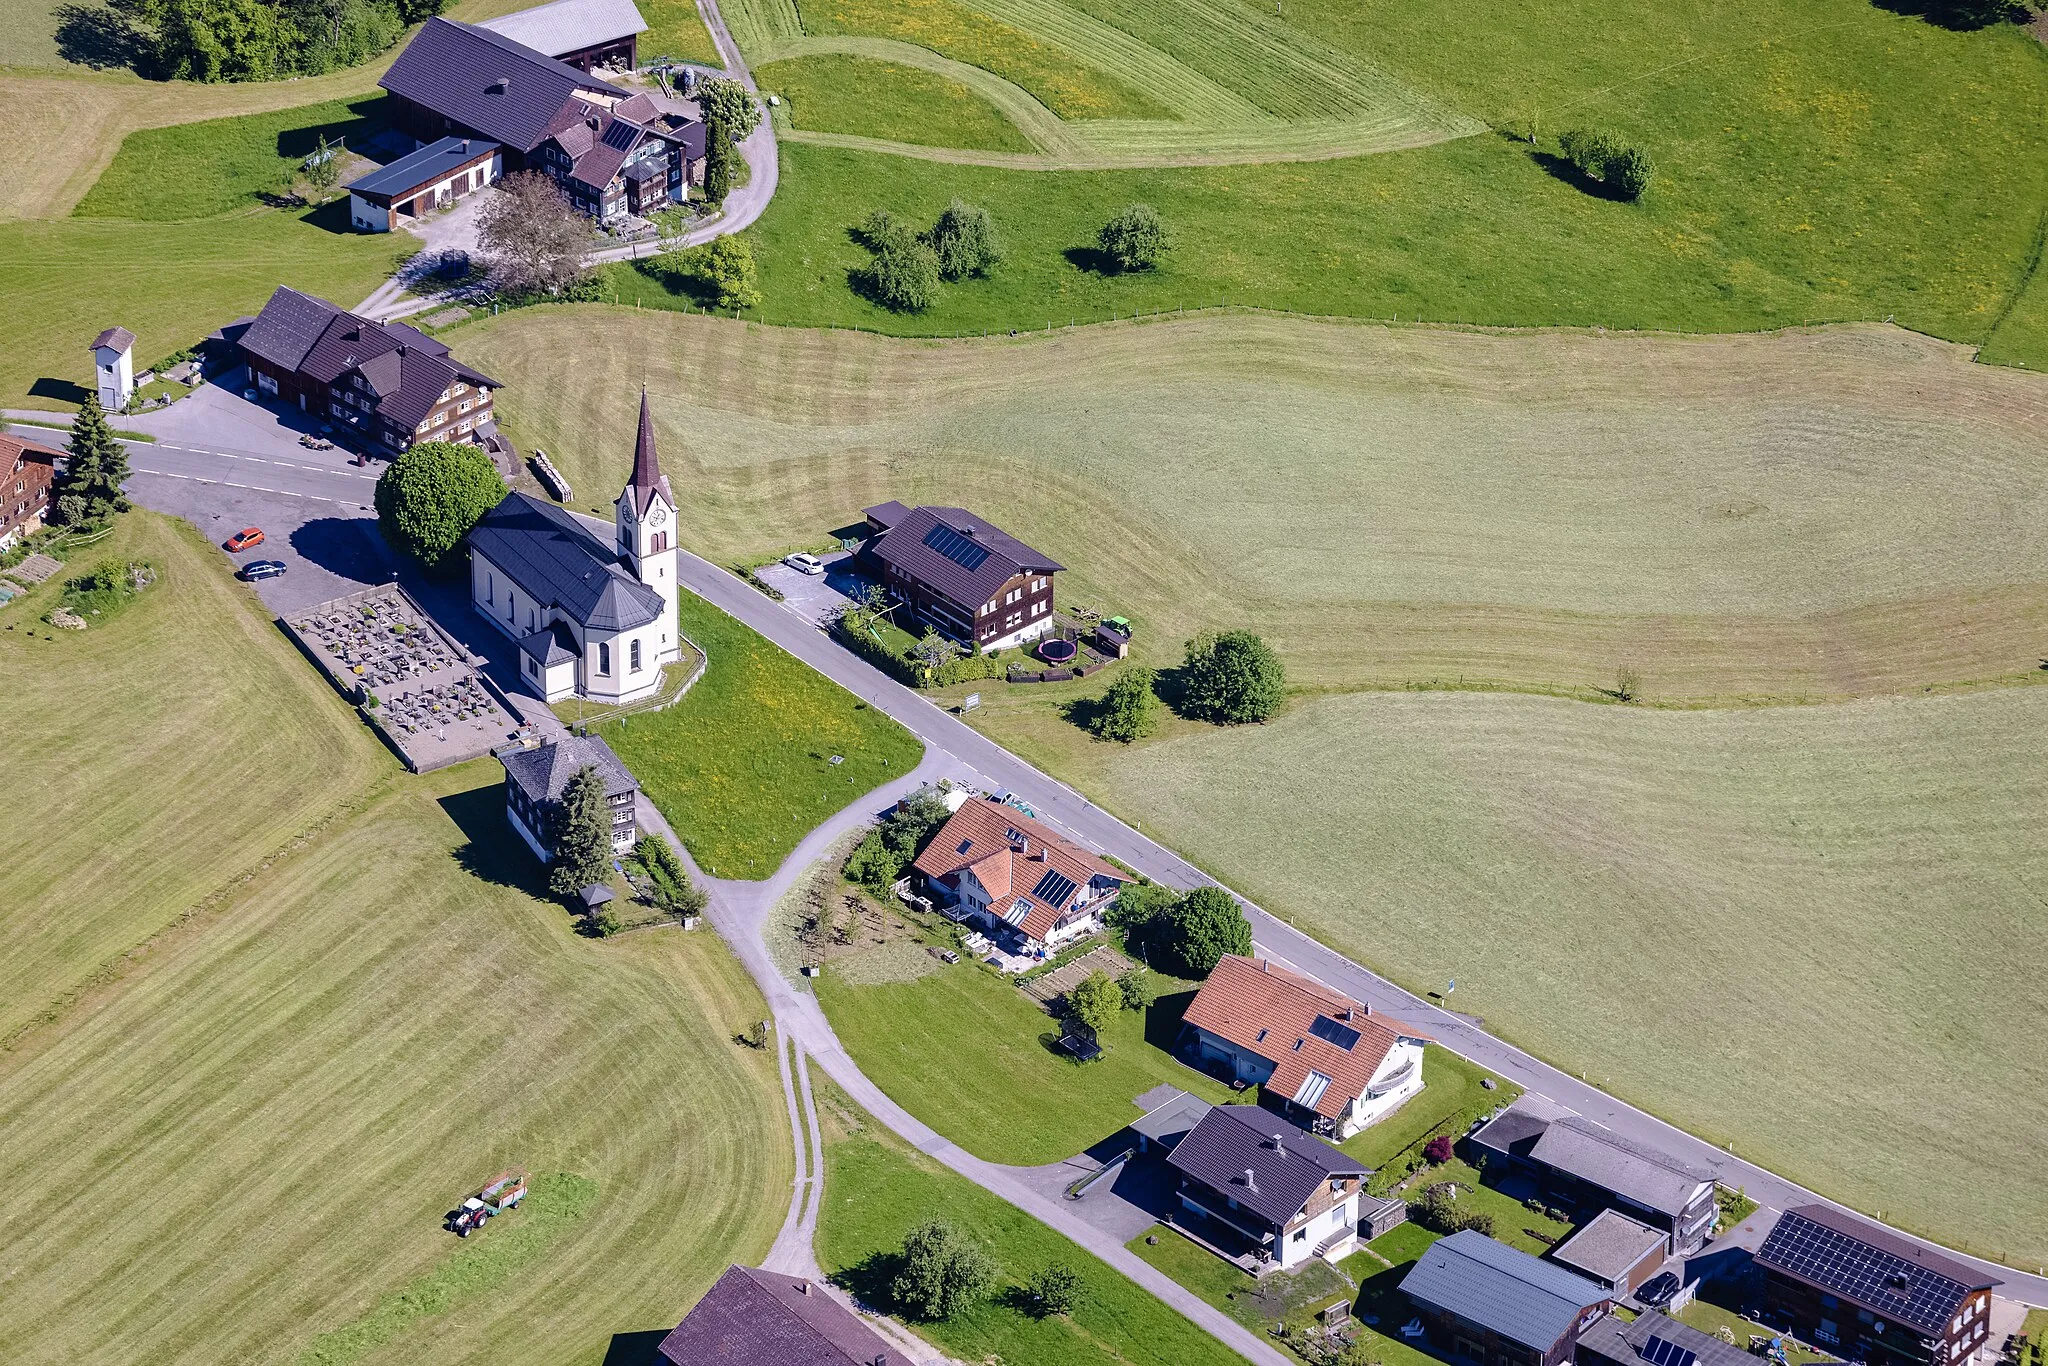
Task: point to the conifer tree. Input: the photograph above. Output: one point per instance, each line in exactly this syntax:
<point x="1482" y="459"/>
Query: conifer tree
<point x="91" y="491"/>
<point x="583" y="835"/>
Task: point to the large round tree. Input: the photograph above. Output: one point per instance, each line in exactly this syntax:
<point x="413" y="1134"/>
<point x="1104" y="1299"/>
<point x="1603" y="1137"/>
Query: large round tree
<point x="1203" y="926"/>
<point x="432" y="495"/>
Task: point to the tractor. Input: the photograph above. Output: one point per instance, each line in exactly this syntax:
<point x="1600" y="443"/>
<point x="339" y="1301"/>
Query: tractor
<point x="501" y="1193"/>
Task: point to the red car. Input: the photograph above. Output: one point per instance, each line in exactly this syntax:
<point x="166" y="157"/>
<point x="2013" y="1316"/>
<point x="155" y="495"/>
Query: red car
<point x="244" y="539"/>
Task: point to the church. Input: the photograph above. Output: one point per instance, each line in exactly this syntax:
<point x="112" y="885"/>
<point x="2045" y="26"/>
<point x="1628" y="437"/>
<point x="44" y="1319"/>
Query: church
<point x="592" y="620"/>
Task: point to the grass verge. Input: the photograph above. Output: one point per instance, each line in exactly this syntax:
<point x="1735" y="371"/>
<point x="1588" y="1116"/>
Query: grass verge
<point x="1450" y="1088"/>
<point x="743" y="765"/>
<point x="876" y="1190"/>
<point x="832" y="93"/>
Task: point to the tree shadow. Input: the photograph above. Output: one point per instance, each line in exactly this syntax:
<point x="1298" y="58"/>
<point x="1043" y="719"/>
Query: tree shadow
<point x="492" y="852"/>
<point x="1163" y="1020"/>
<point x="869" y="1279"/>
<point x="344" y="547"/>
<point x="62" y="390"/>
<point x="1560" y="168"/>
<point x="1095" y="261"/>
<point x="101" y="38"/>
<point x="677" y="284"/>
<point x="1960" y="16"/>
<point x="636" y="1349"/>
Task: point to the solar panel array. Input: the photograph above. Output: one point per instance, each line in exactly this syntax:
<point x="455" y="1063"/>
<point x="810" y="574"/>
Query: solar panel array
<point x="1881" y="1281"/>
<point x="1018" y="910"/>
<point x="956" y="547"/>
<point x="1054" y="888"/>
<point x="1344" y="1036"/>
<point x="619" y="135"/>
<point x="1664" y="1352"/>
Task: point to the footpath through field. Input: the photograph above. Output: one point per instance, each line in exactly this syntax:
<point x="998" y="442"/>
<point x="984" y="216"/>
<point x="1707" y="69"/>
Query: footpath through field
<point x="953" y="748"/>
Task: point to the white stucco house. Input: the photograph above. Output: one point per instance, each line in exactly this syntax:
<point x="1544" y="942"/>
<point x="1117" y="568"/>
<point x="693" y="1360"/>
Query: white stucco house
<point x="1027" y="886"/>
<point x="1328" y="1062"/>
<point x="592" y="620"/>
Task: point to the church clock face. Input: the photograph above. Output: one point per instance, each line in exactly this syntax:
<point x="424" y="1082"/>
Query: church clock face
<point x="657" y="515"/>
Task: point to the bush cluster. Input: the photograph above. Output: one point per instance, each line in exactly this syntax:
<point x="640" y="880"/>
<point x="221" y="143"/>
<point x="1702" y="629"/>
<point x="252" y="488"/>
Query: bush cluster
<point x="941" y="1272"/>
<point x="880" y="858"/>
<point x="1186" y="934"/>
<point x="263" y="40"/>
<point x="1621" y="170"/>
<point x="1438" y="1210"/>
<point x="1130" y="709"/>
<point x="1232" y="679"/>
<point x="908" y="266"/>
<point x="673" y="891"/>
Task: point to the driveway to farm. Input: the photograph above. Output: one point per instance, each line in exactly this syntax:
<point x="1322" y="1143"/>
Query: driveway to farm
<point x="953" y="748"/>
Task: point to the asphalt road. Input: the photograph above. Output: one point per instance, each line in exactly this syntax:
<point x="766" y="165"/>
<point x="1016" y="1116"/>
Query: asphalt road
<point x="996" y="768"/>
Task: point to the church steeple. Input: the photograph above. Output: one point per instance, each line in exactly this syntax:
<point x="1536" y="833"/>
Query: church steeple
<point x="647" y="477"/>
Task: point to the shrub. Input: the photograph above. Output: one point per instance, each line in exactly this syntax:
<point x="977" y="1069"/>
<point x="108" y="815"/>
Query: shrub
<point x="1136" y="238"/>
<point x="872" y="867"/>
<point x="1232" y="679"/>
<point x="964" y="240"/>
<point x="1129" y="710"/>
<point x="1138" y="988"/>
<point x="1140" y="912"/>
<point x="726" y="267"/>
<point x="1200" y="928"/>
<point x="430" y="497"/>
<point x="904" y="276"/>
<point x="1055" y="1289"/>
<point x="604" y="922"/>
<point x="1438" y="1150"/>
<point x="880" y="858"/>
<point x="1620" y="169"/>
<point x="941" y="1273"/>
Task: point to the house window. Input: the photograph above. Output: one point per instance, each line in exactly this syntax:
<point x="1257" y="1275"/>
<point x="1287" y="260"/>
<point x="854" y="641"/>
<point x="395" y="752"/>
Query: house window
<point x="634" y="650"/>
<point x="422" y="428"/>
<point x="463" y="406"/>
<point x="1037" y="609"/>
<point x="604" y="660"/>
<point x="490" y="590"/>
<point x="1037" y="584"/>
<point x="440" y="418"/>
<point x="1301" y="1234"/>
<point x="1014" y="594"/>
<point x="459" y="389"/>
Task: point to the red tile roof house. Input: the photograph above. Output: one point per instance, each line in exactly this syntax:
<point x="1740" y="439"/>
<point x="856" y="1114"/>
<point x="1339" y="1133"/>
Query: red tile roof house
<point x="26" y="471"/>
<point x="963" y="577"/>
<point x="993" y="865"/>
<point x="1322" y="1059"/>
<point x="613" y="151"/>
<point x="751" y="1317"/>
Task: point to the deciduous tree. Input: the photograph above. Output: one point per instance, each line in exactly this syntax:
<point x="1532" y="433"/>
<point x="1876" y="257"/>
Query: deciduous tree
<point x="432" y="495"/>
<point x="1232" y="679"/>
<point x="965" y="242"/>
<point x="1095" y="1001"/>
<point x="1137" y="238"/>
<point x="905" y="273"/>
<point x="1130" y="709"/>
<point x="1200" y="928"/>
<point x="323" y="167"/>
<point x="1055" y="1289"/>
<point x="730" y="104"/>
<point x="581" y="840"/>
<point x="532" y="236"/>
<point x="941" y="1273"/>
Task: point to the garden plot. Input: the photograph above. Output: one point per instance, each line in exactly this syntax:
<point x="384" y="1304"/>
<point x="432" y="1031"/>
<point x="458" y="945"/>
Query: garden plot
<point x="413" y="683"/>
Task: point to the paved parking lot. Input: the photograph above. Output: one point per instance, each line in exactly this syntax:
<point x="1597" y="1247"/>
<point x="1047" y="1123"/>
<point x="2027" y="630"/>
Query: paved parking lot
<point x="216" y="417"/>
<point x="329" y="549"/>
<point x="811" y="596"/>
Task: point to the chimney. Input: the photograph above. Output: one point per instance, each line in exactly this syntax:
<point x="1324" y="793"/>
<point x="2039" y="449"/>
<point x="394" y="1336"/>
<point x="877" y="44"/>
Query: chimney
<point x="803" y="1287"/>
<point x="1250" y="1181"/>
<point x="1278" y="1150"/>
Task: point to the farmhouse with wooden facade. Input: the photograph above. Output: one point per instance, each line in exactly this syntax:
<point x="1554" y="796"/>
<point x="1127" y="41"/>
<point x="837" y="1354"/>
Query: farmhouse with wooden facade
<point x="751" y="1317"/>
<point x="26" y="473"/>
<point x="1254" y="1186"/>
<point x="1328" y="1062"/>
<point x="388" y="383"/>
<point x="1866" y="1294"/>
<point x="993" y="865"/>
<point x="968" y="580"/>
<point x="431" y="178"/>
<point x="612" y="151"/>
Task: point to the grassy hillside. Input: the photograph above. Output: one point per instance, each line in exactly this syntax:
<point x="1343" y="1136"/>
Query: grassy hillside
<point x="246" y="1151"/>
<point x="157" y="758"/>
<point x="844" y="94"/>
<point x="1814" y="517"/>
<point x="1805" y="931"/>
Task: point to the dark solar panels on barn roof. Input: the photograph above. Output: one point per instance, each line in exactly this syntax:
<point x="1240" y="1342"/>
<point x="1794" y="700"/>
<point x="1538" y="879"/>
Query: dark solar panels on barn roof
<point x="1328" y="1030"/>
<point x="1664" y="1352"/>
<point x="956" y="547"/>
<point x="1054" y="888"/>
<point x="619" y="134"/>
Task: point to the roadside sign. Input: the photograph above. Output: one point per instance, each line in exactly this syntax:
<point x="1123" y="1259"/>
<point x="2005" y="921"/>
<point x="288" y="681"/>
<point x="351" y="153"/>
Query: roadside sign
<point x="970" y="702"/>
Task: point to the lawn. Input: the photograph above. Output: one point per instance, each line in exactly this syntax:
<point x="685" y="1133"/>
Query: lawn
<point x="158" y="757"/>
<point x="1711" y="1318"/>
<point x="197" y="170"/>
<point x="1540" y="851"/>
<point x="742" y="766"/>
<point x="980" y="1066"/>
<point x="244" y="1149"/>
<point x="876" y="1190"/>
<point x="1291" y="1298"/>
<point x="675" y="29"/>
<point x="1800" y="517"/>
<point x="842" y="94"/>
<point x="1450" y="1087"/>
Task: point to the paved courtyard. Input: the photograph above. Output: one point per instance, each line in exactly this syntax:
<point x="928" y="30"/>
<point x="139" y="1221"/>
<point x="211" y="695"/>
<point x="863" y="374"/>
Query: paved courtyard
<point x="816" y="597"/>
<point x="216" y="417"/>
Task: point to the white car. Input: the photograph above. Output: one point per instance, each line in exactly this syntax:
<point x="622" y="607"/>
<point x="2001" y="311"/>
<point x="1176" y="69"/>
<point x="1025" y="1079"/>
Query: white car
<point x="804" y="563"/>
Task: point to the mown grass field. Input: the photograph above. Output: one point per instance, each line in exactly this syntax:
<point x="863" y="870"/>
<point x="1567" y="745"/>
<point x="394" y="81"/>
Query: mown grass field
<point x="1450" y="1085"/>
<point x="742" y="766"/>
<point x="845" y="94"/>
<point x="980" y="1067"/>
<point x="1842" y="899"/>
<point x="876" y="1190"/>
<point x="674" y="29"/>
<point x="1804" y="516"/>
<point x="243" y="1152"/>
<point x="158" y="757"/>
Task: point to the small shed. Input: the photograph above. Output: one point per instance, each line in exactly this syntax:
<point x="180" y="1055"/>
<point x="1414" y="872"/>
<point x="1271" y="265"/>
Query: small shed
<point x="594" y="896"/>
<point x="1169" y="1114"/>
<point x="1379" y="1213"/>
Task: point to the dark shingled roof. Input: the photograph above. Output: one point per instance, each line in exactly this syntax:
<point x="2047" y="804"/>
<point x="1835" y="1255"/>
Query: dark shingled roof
<point x="406" y="369"/>
<point x="435" y="161"/>
<point x="543" y="774"/>
<point x="550" y="646"/>
<point x="1627" y="1343"/>
<point x="986" y="557"/>
<point x="1871" y="1266"/>
<point x="1501" y="1288"/>
<point x="485" y="81"/>
<point x="120" y="338"/>
<point x="558" y="562"/>
<point x="647" y="478"/>
<point x="759" y="1318"/>
<point x="1231" y="1138"/>
<point x="1635" y="1171"/>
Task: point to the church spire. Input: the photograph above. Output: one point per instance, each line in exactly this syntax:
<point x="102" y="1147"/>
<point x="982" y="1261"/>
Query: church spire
<point x="647" y="475"/>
